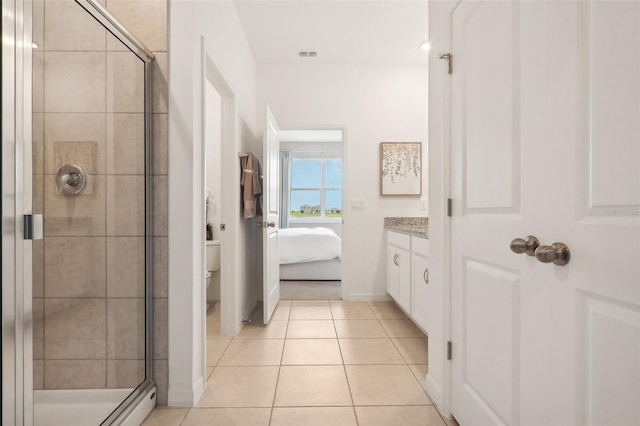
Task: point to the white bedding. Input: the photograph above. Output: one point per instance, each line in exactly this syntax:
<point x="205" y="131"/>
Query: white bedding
<point x="300" y="245"/>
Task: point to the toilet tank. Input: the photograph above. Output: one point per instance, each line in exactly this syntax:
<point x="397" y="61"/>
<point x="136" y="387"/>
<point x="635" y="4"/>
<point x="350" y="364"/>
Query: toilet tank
<point x="213" y="255"/>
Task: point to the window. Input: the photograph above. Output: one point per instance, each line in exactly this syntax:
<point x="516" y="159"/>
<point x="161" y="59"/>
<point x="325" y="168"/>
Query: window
<point x="316" y="188"/>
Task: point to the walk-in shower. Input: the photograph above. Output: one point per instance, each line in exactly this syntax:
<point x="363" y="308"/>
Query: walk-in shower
<point x="76" y="205"/>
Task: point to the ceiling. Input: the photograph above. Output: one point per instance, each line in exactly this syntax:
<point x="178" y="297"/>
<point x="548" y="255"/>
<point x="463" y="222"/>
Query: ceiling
<point x="342" y="32"/>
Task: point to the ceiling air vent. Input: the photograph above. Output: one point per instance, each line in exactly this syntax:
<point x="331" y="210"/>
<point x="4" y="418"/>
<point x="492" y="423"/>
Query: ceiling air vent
<point x="308" y="53"/>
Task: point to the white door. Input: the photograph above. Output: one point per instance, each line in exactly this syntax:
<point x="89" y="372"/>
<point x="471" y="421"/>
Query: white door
<point x="271" y="271"/>
<point x="546" y="142"/>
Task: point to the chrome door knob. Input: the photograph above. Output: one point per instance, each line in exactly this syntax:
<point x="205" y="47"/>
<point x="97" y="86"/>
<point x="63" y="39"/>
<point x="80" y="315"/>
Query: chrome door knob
<point x="271" y="224"/>
<point x="558" y="253"/>
<point x="528" y="245"/>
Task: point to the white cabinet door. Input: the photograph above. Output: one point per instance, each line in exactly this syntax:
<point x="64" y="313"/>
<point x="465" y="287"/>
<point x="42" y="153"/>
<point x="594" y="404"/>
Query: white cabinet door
<point x="399" y="275"/>
<point x="546" y="144"/>
<point x="393" y="271"/>
<point x="421" y="291"/>
<point x="404" y="280"/>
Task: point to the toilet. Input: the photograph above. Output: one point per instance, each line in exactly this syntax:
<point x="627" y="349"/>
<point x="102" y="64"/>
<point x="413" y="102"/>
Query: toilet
<point x="212" y="259"/>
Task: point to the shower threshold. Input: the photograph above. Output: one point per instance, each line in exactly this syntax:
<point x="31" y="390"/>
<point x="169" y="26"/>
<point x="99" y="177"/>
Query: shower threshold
<point x="76" y="407"/>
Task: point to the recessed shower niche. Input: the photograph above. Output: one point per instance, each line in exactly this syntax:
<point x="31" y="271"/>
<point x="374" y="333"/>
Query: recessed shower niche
<point x="91" y="182"/>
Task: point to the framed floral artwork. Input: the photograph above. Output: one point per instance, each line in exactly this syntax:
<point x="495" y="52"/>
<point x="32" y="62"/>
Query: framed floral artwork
<point x="401" y="168"/>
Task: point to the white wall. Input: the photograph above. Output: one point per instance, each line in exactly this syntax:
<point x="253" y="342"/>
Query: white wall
<point x="228" y="49"/>
<point x="379" y="104"/>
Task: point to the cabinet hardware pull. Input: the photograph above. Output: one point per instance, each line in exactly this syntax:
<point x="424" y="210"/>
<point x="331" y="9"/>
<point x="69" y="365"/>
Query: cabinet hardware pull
<point x="425" y="276"/>
<point x="395" y="259"/>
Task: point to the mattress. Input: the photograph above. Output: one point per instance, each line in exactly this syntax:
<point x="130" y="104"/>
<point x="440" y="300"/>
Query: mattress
<point x="302" y="245"/>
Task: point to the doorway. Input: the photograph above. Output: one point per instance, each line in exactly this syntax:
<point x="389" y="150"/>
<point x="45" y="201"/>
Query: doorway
<point x="312" y="173"/>
<point x="213" y="192"/>
<point x="219" y="222"/>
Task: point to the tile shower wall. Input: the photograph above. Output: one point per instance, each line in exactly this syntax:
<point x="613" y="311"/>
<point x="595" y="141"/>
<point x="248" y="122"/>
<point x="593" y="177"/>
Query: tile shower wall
<point x="88" y="272"/>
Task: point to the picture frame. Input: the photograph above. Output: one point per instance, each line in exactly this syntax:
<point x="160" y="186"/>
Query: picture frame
<point x="401" y="168"/>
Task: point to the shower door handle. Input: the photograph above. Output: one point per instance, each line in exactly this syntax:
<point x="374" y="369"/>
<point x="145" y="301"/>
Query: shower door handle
<point x="33" y="227"/>
<point x="38" y="227"/>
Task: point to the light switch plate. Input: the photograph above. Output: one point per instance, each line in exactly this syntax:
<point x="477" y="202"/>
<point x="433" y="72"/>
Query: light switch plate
<point x="357" y="204"/>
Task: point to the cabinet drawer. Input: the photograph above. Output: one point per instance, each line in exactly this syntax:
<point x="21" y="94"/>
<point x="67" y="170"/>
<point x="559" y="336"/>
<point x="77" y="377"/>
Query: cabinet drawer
<point x="420" y="246"/>
<point x="398" y="239"/>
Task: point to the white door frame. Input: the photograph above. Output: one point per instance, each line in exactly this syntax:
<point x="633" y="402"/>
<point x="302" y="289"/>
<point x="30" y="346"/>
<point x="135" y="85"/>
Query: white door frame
<point x="447" y="311"/>
<point x="187" y="317"/>
<point x="17" y="309"/>
<point x="230" y="304"/>
<point x="345" y="286"/>
<point x="440" y="27"/>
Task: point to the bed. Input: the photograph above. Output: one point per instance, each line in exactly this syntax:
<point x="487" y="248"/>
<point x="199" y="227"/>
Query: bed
<point x="312" y="254"/>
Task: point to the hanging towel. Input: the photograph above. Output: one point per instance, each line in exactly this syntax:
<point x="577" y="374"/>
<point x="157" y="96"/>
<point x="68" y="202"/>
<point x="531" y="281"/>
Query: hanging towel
<point x="251" y="182"/>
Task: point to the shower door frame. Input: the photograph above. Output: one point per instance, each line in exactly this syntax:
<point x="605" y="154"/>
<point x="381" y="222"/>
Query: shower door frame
<point x="16" y="203"/>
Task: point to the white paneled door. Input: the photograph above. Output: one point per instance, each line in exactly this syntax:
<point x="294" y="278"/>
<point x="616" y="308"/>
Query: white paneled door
<point x="271" y="271"/>
<point x="545" y="128"/>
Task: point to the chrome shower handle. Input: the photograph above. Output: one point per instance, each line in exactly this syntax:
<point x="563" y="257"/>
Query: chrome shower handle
<point x="71" y="179"/>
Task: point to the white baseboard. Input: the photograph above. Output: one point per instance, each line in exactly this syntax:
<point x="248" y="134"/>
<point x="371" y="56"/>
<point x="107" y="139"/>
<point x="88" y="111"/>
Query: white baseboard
<point x="369" y="297"/>
<point x="186" y="398"/>
<point x="434" y="391"/>
<point x="198" y="389"/>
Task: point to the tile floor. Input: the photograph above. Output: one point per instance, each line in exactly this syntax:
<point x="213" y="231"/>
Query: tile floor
<point x="318" y="362"/>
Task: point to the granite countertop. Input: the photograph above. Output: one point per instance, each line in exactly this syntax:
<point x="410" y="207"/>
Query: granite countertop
<point x="416" y="226"/>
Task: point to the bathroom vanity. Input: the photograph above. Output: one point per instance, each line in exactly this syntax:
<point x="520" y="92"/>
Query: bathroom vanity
<point x="408" y="272"/>
<point x="415" y="292"/>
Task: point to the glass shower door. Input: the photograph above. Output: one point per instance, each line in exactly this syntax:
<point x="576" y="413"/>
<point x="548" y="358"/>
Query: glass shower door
<point x="91" y="340"/>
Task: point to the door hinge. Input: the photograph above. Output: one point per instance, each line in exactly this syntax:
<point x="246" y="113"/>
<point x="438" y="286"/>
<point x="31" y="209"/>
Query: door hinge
<point x="449" y="350"/>
<point x="449" y="59"/>
<point x="449" y="207"/>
